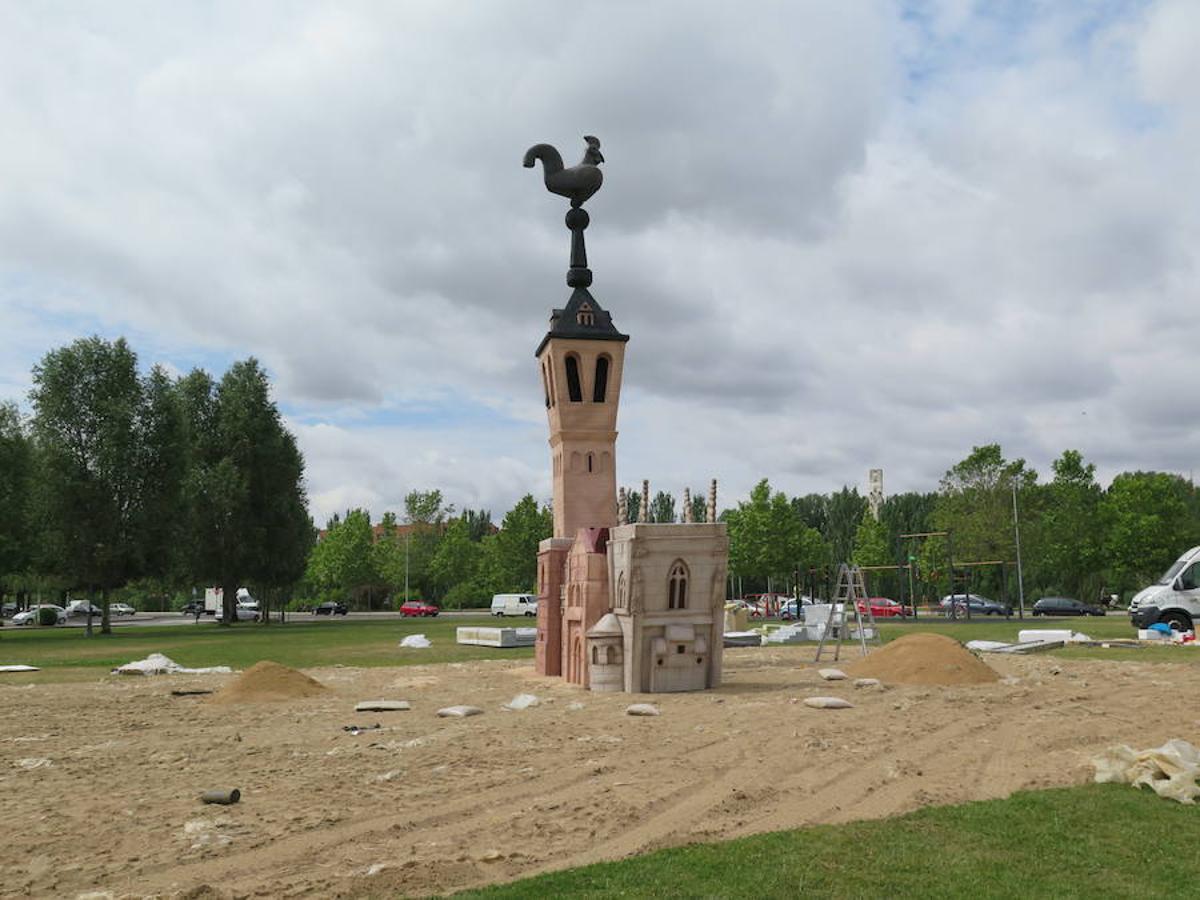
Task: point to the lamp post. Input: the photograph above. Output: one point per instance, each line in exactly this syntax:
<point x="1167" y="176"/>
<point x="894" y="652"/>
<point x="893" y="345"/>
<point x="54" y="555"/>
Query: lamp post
<point x="407" y="538"/>
<point x="1017" y="535"/>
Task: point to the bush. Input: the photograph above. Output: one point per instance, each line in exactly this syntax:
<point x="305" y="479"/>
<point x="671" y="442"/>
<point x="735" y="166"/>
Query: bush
<point x="47" y="616"/>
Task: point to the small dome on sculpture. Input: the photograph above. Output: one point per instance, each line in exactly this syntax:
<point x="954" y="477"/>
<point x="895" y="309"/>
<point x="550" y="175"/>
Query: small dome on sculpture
<point x="608" y="626"/>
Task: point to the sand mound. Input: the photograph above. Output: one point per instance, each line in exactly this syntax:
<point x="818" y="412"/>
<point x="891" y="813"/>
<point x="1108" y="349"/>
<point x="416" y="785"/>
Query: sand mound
<point x="924" y="659"/>
<point x="268" y="681"/>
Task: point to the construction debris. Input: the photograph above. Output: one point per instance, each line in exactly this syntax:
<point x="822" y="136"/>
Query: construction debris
<point x="497" y="637"/>
<point x="1170" y="770"/>
<point x="832" y="674"/>
<point x="157" y="664"/>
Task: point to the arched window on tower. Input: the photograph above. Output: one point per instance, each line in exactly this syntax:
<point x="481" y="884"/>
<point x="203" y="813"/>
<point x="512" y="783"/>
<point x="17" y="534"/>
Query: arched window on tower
<point x="601" y="386"/>
<point x="677" y="586"/>
<point x="546" y="385"/>
<point x="574" y="391"/>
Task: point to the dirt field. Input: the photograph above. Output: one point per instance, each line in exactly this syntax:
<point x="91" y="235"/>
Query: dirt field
<point x="428" y="805"/>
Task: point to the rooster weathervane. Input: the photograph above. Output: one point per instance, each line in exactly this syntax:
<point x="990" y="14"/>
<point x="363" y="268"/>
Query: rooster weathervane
<point x="577" y="183"/>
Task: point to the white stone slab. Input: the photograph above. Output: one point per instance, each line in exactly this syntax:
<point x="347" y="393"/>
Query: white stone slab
<point x="459" y="712"/>
<point x="496" y="637"/>
<point x="382" y="706"/>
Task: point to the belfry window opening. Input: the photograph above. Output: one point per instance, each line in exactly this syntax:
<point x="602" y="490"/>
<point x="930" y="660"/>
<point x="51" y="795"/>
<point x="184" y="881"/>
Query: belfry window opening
<point x="574" y="391"/>
<point x="677" y="586"/>
<point x="601" y="386"/>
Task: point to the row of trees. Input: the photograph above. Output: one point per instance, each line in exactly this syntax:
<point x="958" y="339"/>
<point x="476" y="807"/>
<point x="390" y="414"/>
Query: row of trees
<point x="120" y="476"/>
<point x="1076" y="538"/>
<point x="456" y="559"/>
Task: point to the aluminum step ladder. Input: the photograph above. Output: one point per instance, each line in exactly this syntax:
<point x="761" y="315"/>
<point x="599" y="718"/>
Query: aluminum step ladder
<point x="851" y="597"/>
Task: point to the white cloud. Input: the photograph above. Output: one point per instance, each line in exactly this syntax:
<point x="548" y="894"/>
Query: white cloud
<point x="840" y="237"/>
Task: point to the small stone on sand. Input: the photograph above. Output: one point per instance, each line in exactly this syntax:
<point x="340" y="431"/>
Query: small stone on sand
<point x="832" y="674"/>
<point x="642" y="709"/>
<point x="828" y="703"/>
<point x="459" y="712"/>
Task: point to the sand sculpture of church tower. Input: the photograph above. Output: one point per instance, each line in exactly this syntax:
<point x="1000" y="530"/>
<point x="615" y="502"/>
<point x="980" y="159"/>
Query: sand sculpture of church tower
<point x="621" y="606"/>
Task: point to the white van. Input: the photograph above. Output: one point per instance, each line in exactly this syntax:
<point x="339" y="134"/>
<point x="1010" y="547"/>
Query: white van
<point x="514" y="605"/>
<point x="1173" y="599"/>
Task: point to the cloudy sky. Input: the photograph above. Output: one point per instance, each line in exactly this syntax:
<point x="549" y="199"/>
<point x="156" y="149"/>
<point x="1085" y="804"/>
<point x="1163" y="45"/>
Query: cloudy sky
<point x="841" y="234"/>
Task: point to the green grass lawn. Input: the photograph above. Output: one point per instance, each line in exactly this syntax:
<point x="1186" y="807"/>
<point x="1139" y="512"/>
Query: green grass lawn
<point x="67" y="653"/>
<point x="1095" y="841"/>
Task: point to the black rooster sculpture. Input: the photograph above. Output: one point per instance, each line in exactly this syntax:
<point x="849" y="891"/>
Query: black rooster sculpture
<point x="577" y="183"/>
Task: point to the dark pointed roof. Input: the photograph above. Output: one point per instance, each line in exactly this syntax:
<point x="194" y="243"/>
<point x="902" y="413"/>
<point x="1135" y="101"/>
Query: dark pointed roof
<point x="582" y="319"/>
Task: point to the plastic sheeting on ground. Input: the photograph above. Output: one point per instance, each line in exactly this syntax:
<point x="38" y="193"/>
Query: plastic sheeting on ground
<point x="19" y="669"/>
<point x="157" y="664"/>
<point x="1170" y="770"/>
<point x="417" y="641"/>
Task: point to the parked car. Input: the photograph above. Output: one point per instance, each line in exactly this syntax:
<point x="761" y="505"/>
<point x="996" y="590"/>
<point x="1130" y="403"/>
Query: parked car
<point x="979" y="606"/>
<point x="1065" y="606"/>
<point x="883" y="608"/>
<point x="121" y="609"/>
<point x="418" y="608"/>
<point x="83" y="608"/>
<point x="30" y="616"/>
<point x="1174" y="599"/>
<point x="243" y="614"/>
<point x="511" y="605"/>
<point x="8" y="610"/>
<point x="330" y="608"/>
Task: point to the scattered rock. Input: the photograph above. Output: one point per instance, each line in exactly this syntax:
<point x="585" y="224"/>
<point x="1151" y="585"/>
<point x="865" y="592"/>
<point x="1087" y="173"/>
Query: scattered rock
<point x="867" y="682"/>
<point x="575" y="706"/>
<point x="828" y="703"/>
<point x="832" y="674"/>
<point x="522" y="701"/>
<point x="382" y="706"/>
<point x="492" y="856"/>
<point x="375" y="869"/>
<point x="459" y="712"/>
<point x="34" y="762"/>
<point x="642" y="709"/>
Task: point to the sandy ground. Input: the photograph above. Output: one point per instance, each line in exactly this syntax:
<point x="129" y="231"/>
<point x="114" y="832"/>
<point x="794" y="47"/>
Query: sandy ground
<point x="427" y="805"/>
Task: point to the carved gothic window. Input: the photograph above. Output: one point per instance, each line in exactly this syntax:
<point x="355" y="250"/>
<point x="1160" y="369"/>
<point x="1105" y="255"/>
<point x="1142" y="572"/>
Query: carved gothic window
<point x="574" y="390"/>
<point x="677" y="586"/>
<point x="601" y="386"/>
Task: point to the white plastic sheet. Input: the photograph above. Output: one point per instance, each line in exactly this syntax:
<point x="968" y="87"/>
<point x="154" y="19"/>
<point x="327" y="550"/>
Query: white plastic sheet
<point x="1170" y="770"/>
<point x="416" y="641"/>
<point x="157" y="664"/>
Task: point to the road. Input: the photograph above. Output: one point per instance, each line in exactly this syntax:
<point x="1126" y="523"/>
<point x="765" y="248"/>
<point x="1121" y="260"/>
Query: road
<point x="152" y="619"/>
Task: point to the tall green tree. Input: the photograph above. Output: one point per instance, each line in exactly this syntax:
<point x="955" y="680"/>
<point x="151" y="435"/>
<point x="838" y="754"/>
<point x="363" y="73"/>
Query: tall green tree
<point x="105" y="442"/>
<point x="1065" y="542"/>
<point x="844" y="510"/>
<point x="662" y="509"/>
<point x="456" y="563"/>
<point x="16" y="485"/>
<point x="1151" y="521"/>
<point x="245" y="506"/>
<point x="510" y="556"/>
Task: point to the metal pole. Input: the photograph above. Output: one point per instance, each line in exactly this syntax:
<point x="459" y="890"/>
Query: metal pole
<point x="953" y="595"/>
<point x="1017" y="533"/>
<point x="407" y="537"/>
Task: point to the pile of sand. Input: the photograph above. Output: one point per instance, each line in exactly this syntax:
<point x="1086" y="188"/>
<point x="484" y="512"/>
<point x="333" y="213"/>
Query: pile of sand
<point x="267" y="681"/>
<point x="924" y="659"/>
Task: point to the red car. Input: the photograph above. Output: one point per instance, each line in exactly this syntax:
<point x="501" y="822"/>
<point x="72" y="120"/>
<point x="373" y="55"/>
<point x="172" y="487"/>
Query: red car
<point x="883" y="608"/>
<point x="418" y="608"/>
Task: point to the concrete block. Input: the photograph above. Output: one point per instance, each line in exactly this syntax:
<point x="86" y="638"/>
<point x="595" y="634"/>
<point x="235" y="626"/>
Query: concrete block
<point x="497" y="637"/>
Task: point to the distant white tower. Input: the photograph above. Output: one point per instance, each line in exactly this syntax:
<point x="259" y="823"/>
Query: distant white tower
<point x="875" y="496"/>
